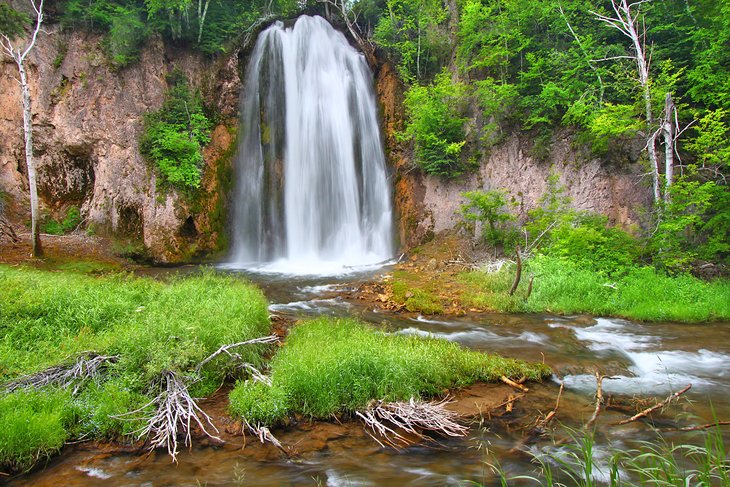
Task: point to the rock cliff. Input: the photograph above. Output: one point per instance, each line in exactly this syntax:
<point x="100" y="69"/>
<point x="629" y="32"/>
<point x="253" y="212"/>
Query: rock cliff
<point x="87" y="119"/>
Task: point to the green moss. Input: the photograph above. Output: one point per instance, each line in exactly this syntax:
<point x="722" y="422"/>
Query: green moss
<point x="407" y="290"/>
<point x="335" y="366"/>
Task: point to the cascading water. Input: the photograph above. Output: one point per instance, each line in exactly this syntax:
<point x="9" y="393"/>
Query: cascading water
<point x="312" y="195"/>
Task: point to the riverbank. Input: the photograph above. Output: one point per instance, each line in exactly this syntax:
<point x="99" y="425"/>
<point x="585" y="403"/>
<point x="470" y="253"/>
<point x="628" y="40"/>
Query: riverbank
<point x="449" y="277"/>
<point x="100" y="357"/>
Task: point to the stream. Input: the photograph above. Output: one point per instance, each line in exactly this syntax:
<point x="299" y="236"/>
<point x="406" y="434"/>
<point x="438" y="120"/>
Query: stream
<point x="643" y="360"/>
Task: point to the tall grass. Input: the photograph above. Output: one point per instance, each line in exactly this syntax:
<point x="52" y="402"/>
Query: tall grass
<point x="656" y="463"/>
<point x="335" y="366"/>
<point x="641" y="293"/>
<point x="46" y="318"/>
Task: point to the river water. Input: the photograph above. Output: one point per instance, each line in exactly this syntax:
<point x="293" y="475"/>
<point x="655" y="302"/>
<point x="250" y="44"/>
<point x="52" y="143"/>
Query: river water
<point x="644" y="360"/>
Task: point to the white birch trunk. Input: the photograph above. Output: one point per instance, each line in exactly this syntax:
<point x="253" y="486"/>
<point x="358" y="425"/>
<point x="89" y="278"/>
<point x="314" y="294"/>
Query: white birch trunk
<point x="668" y="130"/>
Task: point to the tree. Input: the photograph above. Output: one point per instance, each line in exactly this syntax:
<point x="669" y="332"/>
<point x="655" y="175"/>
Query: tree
<point x="19" y="55"/>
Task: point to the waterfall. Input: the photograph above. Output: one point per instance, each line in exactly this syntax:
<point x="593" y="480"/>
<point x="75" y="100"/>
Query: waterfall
<point x="312" y="191"/>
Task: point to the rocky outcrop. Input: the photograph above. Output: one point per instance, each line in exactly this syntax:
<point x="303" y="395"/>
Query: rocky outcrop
<point x="428" y="205"/>
<point x="87" y="120"/>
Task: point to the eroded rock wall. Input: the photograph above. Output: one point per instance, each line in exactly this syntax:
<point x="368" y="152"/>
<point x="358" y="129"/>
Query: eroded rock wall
<point x="428" y="205"/>
<point x="87" y="120"/>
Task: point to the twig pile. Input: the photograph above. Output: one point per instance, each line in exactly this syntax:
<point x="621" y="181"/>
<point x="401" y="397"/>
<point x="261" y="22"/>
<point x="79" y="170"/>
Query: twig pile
<point x="413" y="417"/>
<point x="89" y="365"/>
<point x="174" y="408"/>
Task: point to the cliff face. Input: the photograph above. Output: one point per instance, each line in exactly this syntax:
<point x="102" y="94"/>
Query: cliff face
<point x="428" y="205"/>
<point x="87" y="120"/>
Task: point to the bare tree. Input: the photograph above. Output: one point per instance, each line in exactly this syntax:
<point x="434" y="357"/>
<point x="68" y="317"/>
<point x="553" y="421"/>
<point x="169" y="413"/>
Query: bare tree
<point x="626" y="21"/>
<point x="19" y="55"/>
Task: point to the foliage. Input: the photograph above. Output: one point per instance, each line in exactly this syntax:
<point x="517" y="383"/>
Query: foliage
<point x="48" y="318"/>
<point x="566" y="287"/>
<point x="69" y="223"/>
<point x="12" y="22"/>
<point x="491" y="208"/>
<point x="206" y="25"/>
<point x="34" y="427"/>
<point x="334" y="366"/>
<point x="435" y="125"/>
<point x="174" y="136"/>
<point x="409" y="31"/>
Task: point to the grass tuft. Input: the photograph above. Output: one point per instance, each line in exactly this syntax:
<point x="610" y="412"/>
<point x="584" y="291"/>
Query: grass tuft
<point x="334" y="366"/>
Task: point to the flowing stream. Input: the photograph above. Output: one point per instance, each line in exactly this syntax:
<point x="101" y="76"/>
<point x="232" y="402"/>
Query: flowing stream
<point x="312" y="191"/>
<point x="649" y="360"/>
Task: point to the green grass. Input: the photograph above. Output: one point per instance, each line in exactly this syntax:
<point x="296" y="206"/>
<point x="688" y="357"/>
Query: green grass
<point x="564" y="287"/>
<point x="416" y="296"/>
<point x="335" y="366"/>
<point x="47" y="318"/>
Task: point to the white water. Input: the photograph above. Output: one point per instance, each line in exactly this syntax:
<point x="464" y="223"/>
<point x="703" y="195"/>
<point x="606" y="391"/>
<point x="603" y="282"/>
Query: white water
<point x="313" y="196"/>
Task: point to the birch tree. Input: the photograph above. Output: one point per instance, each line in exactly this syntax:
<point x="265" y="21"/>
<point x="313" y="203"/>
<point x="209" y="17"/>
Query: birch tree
<point x="19" y="55"/>
<point x="626" y="20"/>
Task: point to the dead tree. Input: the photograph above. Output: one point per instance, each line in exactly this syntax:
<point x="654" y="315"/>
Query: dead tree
<point x="626" y="20"/>
<point x="19" y="55"/>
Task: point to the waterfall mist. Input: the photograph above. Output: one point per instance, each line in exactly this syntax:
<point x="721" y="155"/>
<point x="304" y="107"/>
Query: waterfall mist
<point x="312" y="191"/>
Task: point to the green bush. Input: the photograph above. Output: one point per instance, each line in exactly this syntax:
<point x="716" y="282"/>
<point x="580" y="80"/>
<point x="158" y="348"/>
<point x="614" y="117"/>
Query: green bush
<point x="69" y="223"/>
<point x="436" y="126"/>
<point x="334" y="366"/>
<point x="491" y="209"/>
<point x="174" y="136"/>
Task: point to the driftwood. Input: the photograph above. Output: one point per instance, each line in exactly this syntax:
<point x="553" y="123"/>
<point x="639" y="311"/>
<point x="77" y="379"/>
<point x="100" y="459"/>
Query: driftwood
<point x="599" y="400"/>
<point x="543" y="423"/>
<point x="518" y="273"/>
<point x="650" y="410"/>
<point x="234" y="356"/>
<point x="6" y="229"/>
<point x="174" y="409"/>
<point x="88" y="365"/>
<point x="412" y="418"/>
<point x="514" y="384"/>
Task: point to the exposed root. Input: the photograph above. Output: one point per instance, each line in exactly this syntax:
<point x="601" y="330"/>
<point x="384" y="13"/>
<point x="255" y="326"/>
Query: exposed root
<point x="234" y="356"/>
<point x="264" y="435"/>
<point x="174" y="409"/>
<point x="88" y="365"/>
<point x="514" y="384"/>
<point x="412" y="417"/>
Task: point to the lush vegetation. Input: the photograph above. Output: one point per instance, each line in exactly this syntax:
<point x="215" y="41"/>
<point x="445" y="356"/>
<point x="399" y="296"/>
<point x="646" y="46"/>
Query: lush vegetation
<point x="67" y="224"/>
<point x="174" y="136"/>
<point x="476" y="70"/>
<point x="49" y="319"/>
<point x="206" y="25"/>
<point x="337" y="366"/>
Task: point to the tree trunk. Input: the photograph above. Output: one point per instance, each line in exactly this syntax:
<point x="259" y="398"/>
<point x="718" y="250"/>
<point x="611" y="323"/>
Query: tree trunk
<point x="37" y="249"/>
<point x="668" y="130"/>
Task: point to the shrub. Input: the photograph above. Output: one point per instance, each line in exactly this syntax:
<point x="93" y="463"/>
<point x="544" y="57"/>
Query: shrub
<point x="69" y="223"/>
<point x="491" y="208"/>
<point x="436" y="126"/>
<point x="174" y="136"/>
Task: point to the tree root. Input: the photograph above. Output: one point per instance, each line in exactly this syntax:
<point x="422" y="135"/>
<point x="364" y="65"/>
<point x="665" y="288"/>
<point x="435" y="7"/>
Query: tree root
<point x="264" y="435"/>
<point x="174" y="409"/>
<point x="234" y="356"/>
<point x="88" y="365"/>
<point x="412" y="417"/>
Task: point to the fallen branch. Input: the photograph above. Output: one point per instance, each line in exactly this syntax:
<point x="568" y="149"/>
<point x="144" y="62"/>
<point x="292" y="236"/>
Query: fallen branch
<point x="546" y="420"/>
<point x="412" y="417"/>
<point x="650" y="410"/>
<point x="174" y="409"/>
<point x="599" y="401"/>
<point x="264" y="435"/>
<point x="702" y="427"/>
<point x="226" y="349"/>
<point x="514" y="384"/>
<point x="88" y="365"/>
